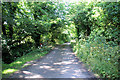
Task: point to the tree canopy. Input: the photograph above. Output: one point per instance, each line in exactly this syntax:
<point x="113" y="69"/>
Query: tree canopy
<point x="93" y="30"/>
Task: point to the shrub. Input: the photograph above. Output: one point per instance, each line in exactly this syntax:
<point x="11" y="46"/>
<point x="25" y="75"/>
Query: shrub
<point x="101" y="57"/>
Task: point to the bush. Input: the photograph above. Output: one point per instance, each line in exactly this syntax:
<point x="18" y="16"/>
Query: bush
<point x="11" y="53"/>
<point x="101" y="57"/>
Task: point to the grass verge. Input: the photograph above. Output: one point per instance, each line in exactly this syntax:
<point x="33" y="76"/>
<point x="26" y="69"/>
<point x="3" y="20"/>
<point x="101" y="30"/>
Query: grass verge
<point x="8" y="69"/>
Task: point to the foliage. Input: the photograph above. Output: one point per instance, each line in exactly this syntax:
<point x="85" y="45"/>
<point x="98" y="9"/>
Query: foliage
<point x="101" y="57"/>
<point x="92" y="28"/>
<point x="97" y="29"/>
<point x="25" y="25"/>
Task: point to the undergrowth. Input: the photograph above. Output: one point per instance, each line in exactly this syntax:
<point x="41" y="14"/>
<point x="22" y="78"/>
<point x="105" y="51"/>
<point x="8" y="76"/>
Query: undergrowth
<point x="101" y="57"/>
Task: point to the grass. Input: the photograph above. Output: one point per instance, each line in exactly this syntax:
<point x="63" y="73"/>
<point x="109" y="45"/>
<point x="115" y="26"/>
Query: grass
<point x="8" y="69"/>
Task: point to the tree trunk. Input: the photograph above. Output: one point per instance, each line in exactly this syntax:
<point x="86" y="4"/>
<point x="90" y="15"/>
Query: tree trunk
<point x="78" y="33"/>
<point x="3" y="29"/>
<point x="36" y="38"/>
<point x="88" y="31"/>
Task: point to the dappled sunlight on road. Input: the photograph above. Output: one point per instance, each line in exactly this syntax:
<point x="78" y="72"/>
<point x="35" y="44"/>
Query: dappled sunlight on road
<point x="59" y="63"/>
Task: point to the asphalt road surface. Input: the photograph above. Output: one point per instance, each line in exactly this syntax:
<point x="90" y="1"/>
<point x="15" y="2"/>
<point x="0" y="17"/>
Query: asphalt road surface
<point x="61" y="62"/>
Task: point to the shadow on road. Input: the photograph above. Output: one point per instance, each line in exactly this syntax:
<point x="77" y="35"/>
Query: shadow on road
<point x="59" y="63"/>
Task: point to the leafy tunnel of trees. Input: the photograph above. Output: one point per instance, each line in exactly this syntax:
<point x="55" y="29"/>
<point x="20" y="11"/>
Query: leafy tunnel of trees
<point x="92" y="28"/>
<point x="26" y="25"/>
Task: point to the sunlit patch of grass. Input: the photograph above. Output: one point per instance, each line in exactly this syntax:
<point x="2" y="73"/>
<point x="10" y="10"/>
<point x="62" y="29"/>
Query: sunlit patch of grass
<point x="7" y="71"/>
<point x="19" y="63"/>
